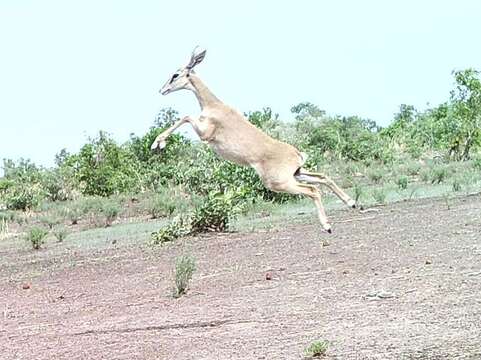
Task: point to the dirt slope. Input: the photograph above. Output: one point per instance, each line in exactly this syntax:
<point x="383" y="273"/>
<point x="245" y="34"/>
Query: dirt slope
<point x="404" y="283"/>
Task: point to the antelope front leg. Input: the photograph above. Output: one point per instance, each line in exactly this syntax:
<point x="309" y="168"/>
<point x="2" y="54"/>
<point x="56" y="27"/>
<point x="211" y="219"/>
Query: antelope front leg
<point x="160" y="140"/>
<point x="204" y="130"/>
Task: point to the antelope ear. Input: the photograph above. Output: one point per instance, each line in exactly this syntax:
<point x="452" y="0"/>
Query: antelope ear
<point x="196" y="59"/>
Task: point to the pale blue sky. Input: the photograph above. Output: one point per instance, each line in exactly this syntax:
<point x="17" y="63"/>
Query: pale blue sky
<point x="71" y="68"/>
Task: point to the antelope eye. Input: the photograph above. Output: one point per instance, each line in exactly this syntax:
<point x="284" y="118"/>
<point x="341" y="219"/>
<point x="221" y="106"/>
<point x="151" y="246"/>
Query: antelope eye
<point x="175" y="76"/>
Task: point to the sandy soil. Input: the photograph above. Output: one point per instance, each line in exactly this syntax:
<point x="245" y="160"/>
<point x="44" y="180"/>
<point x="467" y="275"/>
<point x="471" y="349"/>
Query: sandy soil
<point x="401" y="283"/>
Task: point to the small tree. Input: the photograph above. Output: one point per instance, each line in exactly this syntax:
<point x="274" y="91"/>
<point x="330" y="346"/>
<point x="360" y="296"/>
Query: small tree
<point x="466" y="99"/>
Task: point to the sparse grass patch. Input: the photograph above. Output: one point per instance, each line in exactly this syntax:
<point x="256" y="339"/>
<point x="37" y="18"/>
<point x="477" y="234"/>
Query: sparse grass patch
<point x="425" y="175"/>
<point x="402" y="182"/>
<point x="456" y="184"/>
<point x="110" y="210"/>
<point x="376" y="175"/>
<point x="73" y="213"/>
<point x="184" y="269"/>
<point x="7" y="215"/>
<point x="36" y="236"/>
<point x="358" y="192"/>
<point x="317" y="348"/>
<point x="477" y="163"/>
<point x="379" y="195"/>
<point x="61" y="233"/>
<point x="413" y="168"/>
<point x="50" y="220"/>
<point x="161" y="205"/>
<point x="439" y="174"/>
<point x="3" y="227"/>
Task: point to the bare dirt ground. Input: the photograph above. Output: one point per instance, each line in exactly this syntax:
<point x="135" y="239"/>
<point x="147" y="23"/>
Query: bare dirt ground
<point x="404" y="283"/>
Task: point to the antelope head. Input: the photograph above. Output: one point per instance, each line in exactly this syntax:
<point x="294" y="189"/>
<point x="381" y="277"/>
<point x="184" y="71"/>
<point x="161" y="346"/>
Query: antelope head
<point x="180" y="79"/>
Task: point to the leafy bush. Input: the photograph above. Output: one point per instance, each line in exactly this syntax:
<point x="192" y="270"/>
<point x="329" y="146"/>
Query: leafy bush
<point x="110" y="210"/>
<point x="184" y="269"/>
<point x="413" y="168"/>
<point x="438" y="175"/>
<point x="22" y="196"/>
<point x="162" y="204"/>
<point x="477" y="162"/>
<point x="358" y="192"/>
<point x="425" y="175"/>
<point x="55" y="186"/>
<point x="215" y="212"/>
<point x="103" y="168"/>
<point x="36" y="236"/>
<point x="60" y="233"/>
<point x="402" y="182"/>
<point x="376" y="175"/>
<point x="178" y="227"/>
<point x="71" y="212"/>
<point x="50" y="220"/>
<point x="456" y="185"/>
<point x="7" y="216"/>
<point x="379" y="195"/>
<point x="317" y="349"/>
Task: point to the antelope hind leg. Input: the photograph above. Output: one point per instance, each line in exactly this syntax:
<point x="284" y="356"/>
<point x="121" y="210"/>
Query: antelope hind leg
<point x="318" y="178"/>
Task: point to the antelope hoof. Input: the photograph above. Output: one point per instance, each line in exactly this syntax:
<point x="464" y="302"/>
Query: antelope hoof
<point x="158" y="144"/>
<point x="327" y="228"/>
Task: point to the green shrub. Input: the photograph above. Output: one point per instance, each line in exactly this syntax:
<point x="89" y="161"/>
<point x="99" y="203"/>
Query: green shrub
<point x="317" y="349"/>
<point x="358" y="192"/>
<point x="7" y="216"/>
<point x="379" y="195"/>
<point x="102" y="167"/>
<point x="376" y="175"/>
<point x="402" y="182"/>
<point x="50" y="220"/>
<point x="477" y="163"/>
<point x="438" y="175"/>
<point x="110" y="210"/>
<point x="22" y="196"/>
<point x="413" y="168"/>
<point x="215" y="212"/>
<point x="73" y="213"/>
<point x="3" y="226"/>
<point x="178" y="227"/>
<point x="36" y="236"/>
<point x="162" y="205"/>
<point x="456" y="184"/>
<point x="60" y="233"/>
<point x="425" y="175"/>
<point x="184" y="269"/>
<point x="55" y="186"/>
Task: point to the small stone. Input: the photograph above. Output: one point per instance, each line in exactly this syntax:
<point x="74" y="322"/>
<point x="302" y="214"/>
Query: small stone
<point x="268" y="275"/>
<point x="428" y="262"/>
<point x="26" y="286"/>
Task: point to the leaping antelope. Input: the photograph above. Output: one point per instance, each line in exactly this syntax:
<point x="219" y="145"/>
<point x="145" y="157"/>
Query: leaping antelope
<point x="234" y="138"/>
